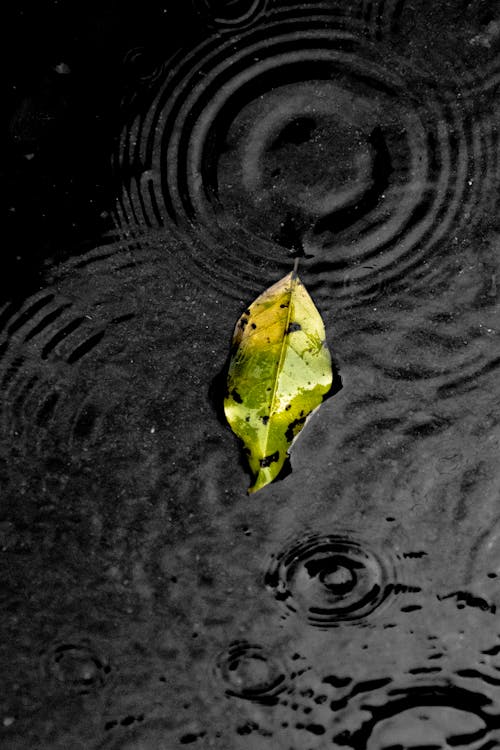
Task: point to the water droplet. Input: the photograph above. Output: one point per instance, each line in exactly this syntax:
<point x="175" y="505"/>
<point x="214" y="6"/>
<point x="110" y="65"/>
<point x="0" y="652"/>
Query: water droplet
<point x="330" y="579"/>
<point x="249" y="672"/>
<point x="75" y="666"/>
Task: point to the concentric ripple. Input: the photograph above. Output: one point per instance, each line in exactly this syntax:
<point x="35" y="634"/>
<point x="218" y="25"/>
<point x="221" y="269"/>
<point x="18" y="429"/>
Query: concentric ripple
<point x="58" y="382"/>
<point x="76" y="667"/>
<point x="303" y="138"/>
<point x="432" y="717"/>
<point x="249" y="672"/>
<point x="42" y="344"/>
<point x="230" y="14"/>
<point x="330" y="579"/>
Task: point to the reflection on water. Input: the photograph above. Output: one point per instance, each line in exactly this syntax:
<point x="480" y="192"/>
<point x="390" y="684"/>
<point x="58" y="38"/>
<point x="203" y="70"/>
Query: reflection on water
<point x="147" y="601"/>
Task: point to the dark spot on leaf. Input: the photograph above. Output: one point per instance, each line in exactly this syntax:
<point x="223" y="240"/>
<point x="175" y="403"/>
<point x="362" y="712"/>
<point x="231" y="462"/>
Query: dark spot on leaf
<point x="285" y="304"/>
<point x="268" y="460"/>
<point x="292" y="428"/>
<point x="247" y="311"/>
<point x="254" y="325"/>
<point x="265" y="419"/>
<point x="236" y="396"/>
<point x="243" y="323"/>
<point x="294" y="327"/>
<point x="287" y="407"/>
<point x="247" y="419"/>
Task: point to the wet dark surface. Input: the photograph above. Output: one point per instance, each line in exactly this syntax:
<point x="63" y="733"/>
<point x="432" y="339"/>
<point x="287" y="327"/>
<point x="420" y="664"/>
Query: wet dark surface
<point x="163" y="166"/>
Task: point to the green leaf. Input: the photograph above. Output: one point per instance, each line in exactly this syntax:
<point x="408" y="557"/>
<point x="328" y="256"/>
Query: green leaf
<point x="280" y="370"/>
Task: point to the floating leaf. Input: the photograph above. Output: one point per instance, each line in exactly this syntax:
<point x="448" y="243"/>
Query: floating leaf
<point x="280" y="370"/>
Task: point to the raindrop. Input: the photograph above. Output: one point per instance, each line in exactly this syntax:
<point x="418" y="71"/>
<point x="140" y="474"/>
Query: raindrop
<point x="249" y="672"/>
<point x="75" y="666"/>
<point x="330" y="579"/>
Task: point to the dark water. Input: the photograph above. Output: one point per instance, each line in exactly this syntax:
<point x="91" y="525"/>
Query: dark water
<point x="165" y="165"/>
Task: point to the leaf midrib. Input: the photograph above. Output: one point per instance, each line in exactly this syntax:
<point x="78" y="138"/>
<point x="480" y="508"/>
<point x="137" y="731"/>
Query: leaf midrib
<point x="293" y="281"/>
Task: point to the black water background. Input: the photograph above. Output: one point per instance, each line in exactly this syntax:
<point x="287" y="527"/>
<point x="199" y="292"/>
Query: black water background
<point x="69" y="70"/>
<point x="67" y="88"/>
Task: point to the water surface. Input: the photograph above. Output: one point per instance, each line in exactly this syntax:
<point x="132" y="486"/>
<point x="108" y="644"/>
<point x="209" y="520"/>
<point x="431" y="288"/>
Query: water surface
<point x="147" y="601"/>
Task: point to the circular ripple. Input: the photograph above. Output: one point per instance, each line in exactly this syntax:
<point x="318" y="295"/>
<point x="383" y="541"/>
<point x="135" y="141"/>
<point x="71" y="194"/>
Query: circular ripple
<point x="44" y="342"/>
<point x="75" y="666"/>
<point x="231" y="14"/>
<point x="426" y="724"/>
<point x="249" y="672"/>
<point x="330" y="579"/>
<point x="304" y="139"/>
<point x="63" y="352"/>
<point x="434" y="716"/>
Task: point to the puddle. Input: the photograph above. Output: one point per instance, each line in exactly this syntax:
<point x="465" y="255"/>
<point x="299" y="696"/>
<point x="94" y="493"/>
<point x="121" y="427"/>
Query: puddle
<point x="148" y="602"/>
